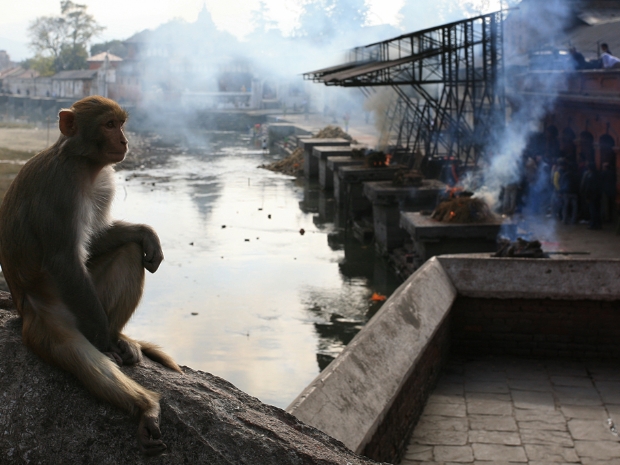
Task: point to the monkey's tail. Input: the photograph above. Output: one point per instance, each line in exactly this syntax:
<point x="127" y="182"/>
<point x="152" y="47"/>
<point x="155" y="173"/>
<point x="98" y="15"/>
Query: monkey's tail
<point x="101" y="376"/>
<point x="154" y="352"/>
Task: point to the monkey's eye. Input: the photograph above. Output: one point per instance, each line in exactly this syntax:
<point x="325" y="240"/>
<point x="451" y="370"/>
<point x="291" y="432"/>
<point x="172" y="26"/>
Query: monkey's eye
<point x="110" y="124"/>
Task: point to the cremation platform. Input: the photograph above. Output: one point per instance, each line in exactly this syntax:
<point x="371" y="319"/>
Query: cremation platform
<point x="349" y="189"/>
<point x="389" y="200"/>
<point x="311" y="164"/>
<point x="431" y="237"/>
<point x="326" y="174"/>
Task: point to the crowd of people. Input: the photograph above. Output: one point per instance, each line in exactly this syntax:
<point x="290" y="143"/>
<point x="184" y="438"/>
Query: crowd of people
<point x="559" y="181"/>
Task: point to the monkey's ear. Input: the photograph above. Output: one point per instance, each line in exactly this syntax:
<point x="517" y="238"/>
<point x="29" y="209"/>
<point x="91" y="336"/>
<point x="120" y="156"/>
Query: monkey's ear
<point x="67" y="123"/>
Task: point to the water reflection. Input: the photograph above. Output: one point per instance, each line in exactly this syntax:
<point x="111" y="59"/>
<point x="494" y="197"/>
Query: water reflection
<point x="268" y="298"/>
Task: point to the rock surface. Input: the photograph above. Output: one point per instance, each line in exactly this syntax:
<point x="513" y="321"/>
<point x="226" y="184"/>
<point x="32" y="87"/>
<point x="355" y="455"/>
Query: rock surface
<point x="47" y="417"/>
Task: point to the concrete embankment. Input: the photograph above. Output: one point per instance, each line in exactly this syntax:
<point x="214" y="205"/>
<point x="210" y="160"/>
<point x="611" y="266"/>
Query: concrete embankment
<point x="372" y="395"/>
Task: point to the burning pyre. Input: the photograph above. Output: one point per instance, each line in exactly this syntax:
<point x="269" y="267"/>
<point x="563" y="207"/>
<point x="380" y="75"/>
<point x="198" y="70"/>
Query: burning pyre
<point x="377" y="160"/>
<point x="461" y="207"/>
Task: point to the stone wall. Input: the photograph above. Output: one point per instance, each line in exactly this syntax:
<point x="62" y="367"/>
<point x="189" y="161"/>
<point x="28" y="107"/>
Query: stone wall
<point x="536" y="327"/>
<point x="389" y="442"/>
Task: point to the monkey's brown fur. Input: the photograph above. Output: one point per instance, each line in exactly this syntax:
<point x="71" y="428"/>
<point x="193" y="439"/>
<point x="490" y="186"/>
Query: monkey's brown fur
<point x="75" y="275"/>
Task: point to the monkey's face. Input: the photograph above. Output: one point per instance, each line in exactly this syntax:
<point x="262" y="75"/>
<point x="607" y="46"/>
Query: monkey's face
<point x="115" y="143"/>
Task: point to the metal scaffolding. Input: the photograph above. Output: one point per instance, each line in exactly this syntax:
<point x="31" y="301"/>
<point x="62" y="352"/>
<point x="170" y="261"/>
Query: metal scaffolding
<point x="449" y="81"/>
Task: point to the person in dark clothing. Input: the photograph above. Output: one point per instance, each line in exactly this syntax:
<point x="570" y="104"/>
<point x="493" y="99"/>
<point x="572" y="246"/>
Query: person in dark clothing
<point x="591" y="192"/>
<point x="569" y="189"/>
<point x="608" y="199"/>
<point x="577" y="59"/>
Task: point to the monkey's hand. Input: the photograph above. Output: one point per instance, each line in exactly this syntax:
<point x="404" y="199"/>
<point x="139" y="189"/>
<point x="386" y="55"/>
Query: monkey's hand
<point x="153" y="255"/>
<point x="129" y="352"/>
<point x="149" y="435"/>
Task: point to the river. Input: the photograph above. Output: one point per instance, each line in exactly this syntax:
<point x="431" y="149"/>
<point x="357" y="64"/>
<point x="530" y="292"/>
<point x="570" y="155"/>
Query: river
<point x="242" y="293"/>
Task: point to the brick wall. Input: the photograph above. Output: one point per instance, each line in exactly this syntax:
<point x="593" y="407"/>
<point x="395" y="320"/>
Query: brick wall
<point x="389" y="441"/>
<point x="536" y="327"/>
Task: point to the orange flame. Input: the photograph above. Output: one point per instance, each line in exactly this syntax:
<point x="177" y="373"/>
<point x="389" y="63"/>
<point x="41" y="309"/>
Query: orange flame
<point x="453" y="191"/>
<point x="378" y="297"/>
<point x="388" y="159"/>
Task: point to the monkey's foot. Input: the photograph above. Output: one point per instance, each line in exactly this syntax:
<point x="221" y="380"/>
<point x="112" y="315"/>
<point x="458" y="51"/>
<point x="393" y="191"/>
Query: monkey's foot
<point x="149" y="436"/>
<point x="130" y="351"/>
<point x="114" y="357"/>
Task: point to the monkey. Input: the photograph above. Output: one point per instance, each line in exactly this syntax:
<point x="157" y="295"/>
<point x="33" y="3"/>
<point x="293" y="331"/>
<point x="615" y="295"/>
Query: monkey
<point x="75" y="274"/>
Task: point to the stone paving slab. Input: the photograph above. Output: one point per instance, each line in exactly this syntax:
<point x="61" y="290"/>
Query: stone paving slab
<point x="501" y="410"/>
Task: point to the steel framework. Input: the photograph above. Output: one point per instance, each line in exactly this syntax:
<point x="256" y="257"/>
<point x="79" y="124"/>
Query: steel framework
<point x="449" y="81"/>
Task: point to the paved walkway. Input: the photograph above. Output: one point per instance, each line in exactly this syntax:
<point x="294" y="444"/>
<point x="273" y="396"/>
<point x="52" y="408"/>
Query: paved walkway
<point x="510" y="410"/>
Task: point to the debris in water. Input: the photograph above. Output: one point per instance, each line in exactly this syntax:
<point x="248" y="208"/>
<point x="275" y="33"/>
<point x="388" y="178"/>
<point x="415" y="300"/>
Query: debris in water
<point x="292" y="165"/>
<point x="194" y="313"/>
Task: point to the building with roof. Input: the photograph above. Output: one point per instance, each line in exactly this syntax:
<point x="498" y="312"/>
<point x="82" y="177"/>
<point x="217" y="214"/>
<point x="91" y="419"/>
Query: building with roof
<point x="97" y="61"/>
<point x="74" y="84"/>
<point x="26" y="82"/>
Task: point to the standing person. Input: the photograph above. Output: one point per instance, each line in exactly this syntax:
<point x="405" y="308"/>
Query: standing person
<point x="569" y="189"/>
<point x="556" y="196"/>
<point x="591" y="192"/>
<point x="608" y="199"/>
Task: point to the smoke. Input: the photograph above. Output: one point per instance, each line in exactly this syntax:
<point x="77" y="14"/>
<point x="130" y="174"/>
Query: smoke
<point x="188" y="69"/>
<point x="382" y="104"/>
<point x="531" y="95"/>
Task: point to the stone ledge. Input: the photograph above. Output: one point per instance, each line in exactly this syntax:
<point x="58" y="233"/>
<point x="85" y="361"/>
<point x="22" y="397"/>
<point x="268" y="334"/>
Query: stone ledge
<point x="353" y="395"/>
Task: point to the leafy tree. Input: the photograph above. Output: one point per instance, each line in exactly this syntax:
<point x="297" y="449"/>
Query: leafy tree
<point x="81" y="26"/>
<point x="43" y="65"/>
<point x="64" y="37"/>
<point x="115" y="47"/>
<point x="72" y="57"/>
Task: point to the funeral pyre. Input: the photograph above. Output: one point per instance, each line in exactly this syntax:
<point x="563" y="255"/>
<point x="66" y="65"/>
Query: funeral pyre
<point x="294" y="164"/>
<point x="520" y="249"/>
<point x="408" y="178"/>
<point x="462" y="207"/>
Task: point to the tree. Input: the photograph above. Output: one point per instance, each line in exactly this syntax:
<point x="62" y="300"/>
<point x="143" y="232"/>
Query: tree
<point x="64" y="37"/>
<point x="43" y="65"/>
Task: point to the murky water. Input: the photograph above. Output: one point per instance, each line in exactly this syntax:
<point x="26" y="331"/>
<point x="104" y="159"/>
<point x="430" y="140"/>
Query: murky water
<point x="267" y="298"/>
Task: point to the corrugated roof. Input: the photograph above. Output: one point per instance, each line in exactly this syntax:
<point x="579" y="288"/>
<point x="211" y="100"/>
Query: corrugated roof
<point x="19" y="72"/>
<point x="75" y="74"/>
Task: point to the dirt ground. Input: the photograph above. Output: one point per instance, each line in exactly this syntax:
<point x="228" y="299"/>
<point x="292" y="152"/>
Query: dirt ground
<point x="27" y="139"/>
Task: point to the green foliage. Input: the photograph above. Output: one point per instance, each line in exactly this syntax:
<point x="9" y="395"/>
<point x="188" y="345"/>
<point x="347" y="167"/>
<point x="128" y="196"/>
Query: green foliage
<point x="115" y="47"/>
<point x="64" y="38"/>
<point x="44" y="65"/>
<point x="72" y="57"/>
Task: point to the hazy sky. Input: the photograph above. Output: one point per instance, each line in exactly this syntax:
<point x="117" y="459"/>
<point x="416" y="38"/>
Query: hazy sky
<point x="123" y="18"/>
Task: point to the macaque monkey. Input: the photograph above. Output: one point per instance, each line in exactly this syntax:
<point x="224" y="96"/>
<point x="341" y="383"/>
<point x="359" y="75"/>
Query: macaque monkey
<point x="76" y="275"/>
